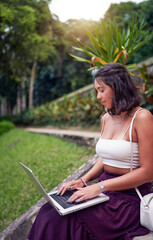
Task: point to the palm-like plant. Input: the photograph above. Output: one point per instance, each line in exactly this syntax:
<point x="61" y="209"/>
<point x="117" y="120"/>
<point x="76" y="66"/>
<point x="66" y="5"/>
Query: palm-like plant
<point x="108" y="44"/>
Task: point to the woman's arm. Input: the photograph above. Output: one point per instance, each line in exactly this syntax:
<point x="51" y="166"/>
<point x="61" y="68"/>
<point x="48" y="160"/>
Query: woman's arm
<point x="94" y="172"/>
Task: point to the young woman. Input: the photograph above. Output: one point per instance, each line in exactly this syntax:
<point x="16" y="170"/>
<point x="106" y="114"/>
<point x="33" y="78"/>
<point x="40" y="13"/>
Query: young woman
<point x="119" y="217"/>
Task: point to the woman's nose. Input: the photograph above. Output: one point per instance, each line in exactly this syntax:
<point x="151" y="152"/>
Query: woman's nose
<point x="98" y="95"/>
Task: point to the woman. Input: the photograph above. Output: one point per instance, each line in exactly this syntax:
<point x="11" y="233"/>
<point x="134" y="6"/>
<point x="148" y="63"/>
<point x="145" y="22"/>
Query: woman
<point x="119" y="217"/>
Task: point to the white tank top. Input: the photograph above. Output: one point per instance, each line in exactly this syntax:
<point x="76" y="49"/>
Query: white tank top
<point x="117" y="153"/>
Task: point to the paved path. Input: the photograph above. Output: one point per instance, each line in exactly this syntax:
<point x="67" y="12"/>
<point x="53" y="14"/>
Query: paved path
<point x="65" y="132"/>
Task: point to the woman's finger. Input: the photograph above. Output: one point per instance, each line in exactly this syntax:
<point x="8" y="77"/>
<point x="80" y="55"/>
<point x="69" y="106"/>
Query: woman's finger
<point x="75" y="196"/>
<point x="63" y="189"/>
<point x="69" y="186"/>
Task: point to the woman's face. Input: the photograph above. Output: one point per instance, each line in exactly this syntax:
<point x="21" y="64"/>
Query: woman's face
<point x="105" y="94"/>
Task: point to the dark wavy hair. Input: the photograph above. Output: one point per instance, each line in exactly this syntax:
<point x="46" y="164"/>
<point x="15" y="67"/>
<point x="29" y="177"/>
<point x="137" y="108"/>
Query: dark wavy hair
<point x="126" y="94"/>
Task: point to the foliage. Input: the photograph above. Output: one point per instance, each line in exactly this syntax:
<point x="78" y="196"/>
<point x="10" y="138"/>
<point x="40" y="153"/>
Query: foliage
<point x="72" y="111"/>
<point x="147" y="93"/>
<point x="124" y="13"/>
<point x="55" y="76"/>
<point x="25" y="37"/>
<point x="49" y="86"/>
<point x="6" y="126"/>
<point x="46" y="156"/>
<point x="8" y="90"/>
<point x="21" y="35"/>
<point x="109" y="44"/>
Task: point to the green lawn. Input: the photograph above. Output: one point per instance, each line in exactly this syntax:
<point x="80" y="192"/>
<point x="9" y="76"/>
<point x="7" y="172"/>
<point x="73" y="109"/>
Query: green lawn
<point x="50" y="158"/>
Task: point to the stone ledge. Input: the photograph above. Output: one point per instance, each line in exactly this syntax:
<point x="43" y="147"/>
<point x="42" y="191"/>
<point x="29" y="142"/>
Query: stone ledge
<point x="78" y="137"/>
<point x="83" y="141"/>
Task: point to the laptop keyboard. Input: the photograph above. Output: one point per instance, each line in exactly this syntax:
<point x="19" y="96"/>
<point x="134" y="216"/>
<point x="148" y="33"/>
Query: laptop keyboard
<point x="62" y="199"/>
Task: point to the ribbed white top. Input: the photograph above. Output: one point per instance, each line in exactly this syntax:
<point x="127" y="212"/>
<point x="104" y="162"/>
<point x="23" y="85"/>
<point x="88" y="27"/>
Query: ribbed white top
<point x="117" y="153"/>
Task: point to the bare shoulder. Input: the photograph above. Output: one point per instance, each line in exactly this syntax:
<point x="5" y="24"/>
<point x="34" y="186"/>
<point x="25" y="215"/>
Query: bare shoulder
<point x="143" y="116"/>
<point x="103" y="119"/>
<point x="144" y="121"/>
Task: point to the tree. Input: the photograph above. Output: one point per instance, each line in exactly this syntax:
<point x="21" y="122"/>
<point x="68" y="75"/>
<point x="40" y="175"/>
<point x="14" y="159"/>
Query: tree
<point x="61" y="75"/>
<point x="26" y="38"/>
<point x="123" y="13"/>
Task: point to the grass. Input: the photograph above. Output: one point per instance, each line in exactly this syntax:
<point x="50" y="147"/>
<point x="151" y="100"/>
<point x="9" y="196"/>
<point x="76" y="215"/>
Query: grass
<point x="50" y="158"/>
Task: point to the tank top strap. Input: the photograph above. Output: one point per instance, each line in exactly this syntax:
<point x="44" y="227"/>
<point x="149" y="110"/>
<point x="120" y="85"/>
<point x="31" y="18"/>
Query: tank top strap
<point x="102" y="127"/>
<point x="126" y="131"/>
<point x="131" y="124"/>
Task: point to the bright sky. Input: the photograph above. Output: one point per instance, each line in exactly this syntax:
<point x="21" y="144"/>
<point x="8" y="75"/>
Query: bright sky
<point x="87" y="9"/>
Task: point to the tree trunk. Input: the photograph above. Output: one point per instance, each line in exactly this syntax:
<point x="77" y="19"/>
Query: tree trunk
<point x="60" y="63"/>
<point x="18" y="101"/>
<point x="23" y="96"/>
<point x="8" y="108"/>
<point x="32" y="84"/>
<point x="3" y="107"/>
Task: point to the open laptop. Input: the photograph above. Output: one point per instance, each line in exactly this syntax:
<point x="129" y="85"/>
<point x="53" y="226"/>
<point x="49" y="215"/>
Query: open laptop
<point x="59" y="202"/>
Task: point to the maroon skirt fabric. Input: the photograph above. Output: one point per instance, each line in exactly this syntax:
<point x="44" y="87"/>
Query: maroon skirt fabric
<point x="116" y="219"/>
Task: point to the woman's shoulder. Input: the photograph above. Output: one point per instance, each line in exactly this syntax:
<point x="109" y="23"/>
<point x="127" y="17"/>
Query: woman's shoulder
<point x="103" y="119"/>
<point x="144" y="114"/>
<point x="144" y="119"/>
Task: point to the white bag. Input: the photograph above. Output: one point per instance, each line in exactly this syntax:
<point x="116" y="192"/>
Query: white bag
<point x="146" y="211"/>
<point x="146" y="204"/>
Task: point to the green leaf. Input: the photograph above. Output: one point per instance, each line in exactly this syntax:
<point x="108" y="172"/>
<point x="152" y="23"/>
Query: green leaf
<point x="78" y="49"/>
<point x="80" y="44"/>
<point x="80" y="59"/>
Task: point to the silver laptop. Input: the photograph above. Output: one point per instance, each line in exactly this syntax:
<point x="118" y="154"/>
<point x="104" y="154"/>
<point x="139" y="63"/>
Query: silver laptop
<point x="59" y="202"/>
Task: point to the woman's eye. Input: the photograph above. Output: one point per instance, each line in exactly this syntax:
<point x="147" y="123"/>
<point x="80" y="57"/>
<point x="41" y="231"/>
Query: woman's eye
<point x="99" y="91"/>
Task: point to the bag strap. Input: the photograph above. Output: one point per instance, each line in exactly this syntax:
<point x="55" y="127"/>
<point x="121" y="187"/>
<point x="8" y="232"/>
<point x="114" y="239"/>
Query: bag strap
<point x="130" y="135"/>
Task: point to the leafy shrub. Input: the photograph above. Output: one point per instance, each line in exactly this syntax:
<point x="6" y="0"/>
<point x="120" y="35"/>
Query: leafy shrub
<point x="25" y="118"/>
<point x="72" y="111"/>
<point x="6" y="118"/>
<point x="6" y="126"/>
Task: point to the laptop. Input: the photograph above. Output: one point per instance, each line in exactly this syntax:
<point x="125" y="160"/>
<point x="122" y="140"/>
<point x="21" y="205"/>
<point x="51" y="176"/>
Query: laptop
<point x="59" y="202"/>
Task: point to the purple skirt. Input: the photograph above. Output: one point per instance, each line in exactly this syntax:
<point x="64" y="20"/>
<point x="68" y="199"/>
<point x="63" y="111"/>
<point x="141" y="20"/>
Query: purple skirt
<point x="116" y="219"/>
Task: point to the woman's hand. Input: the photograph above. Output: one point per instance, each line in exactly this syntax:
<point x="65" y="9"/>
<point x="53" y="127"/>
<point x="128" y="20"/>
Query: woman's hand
<point x="70" y="186"/>
<point x="85" y="193"/>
